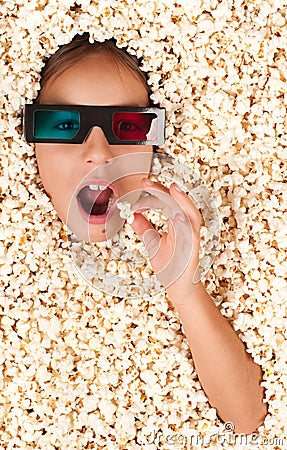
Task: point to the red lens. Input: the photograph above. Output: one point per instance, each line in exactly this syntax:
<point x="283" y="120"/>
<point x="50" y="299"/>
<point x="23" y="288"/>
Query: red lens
<point x="133" y="126"/>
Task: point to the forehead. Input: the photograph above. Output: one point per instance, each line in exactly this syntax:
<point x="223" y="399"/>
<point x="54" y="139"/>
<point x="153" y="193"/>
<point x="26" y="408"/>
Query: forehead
<point x="96" y="80"/>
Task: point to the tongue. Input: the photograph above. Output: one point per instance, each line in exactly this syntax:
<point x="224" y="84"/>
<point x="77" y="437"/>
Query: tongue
<point x="95" y="201"/>
<point x="98" y="196"/>
<point x="99" y="209"/>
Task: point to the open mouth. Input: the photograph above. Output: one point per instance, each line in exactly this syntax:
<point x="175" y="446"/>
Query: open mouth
<point x="96" y="200"/>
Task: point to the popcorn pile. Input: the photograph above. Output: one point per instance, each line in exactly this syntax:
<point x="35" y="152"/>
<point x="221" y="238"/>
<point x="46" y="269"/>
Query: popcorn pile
<point x="84" y="369"/>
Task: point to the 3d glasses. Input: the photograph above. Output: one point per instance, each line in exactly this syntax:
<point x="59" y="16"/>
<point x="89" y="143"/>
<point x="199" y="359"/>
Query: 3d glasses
<point x="72" y="123"/>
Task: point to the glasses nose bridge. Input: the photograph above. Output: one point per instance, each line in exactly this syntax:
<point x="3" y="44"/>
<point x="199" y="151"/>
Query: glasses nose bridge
<point x="96" y="148"/>
<point x="96" y="122"/>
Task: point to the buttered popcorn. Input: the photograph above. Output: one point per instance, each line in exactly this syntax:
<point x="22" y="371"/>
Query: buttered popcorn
<point x="218" y="69"/>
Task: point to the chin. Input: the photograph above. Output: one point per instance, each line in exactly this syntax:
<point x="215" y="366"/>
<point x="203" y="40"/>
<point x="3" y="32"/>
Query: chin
<point x="95" y="232"/>
<point x="97" y="237"/>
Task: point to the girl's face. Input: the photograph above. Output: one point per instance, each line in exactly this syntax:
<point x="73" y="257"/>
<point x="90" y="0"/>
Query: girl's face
<point x="95" y="80"/>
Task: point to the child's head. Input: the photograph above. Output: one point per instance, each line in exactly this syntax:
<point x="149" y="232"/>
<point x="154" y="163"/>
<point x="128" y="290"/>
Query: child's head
<point x="99" y="74"/>
<point x="80" y="48"/>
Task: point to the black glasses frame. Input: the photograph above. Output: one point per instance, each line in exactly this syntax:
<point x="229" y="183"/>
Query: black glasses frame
<point x="91" y="116"/>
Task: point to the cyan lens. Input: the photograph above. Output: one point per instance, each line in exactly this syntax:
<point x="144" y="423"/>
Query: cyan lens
<point x="53" y="124"/>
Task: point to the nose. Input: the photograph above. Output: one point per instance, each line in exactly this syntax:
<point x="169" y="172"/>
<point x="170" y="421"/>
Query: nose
<point x="96" y="149"/>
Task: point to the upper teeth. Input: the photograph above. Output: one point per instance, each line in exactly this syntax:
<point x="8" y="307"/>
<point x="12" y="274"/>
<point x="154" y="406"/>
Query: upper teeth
<point x="96" y="187"/>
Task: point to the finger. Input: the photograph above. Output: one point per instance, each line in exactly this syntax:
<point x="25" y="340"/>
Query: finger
<point x="151" y="239"/>
<point x="186" y="240"/>
<point x="159" y="198"/>
<point x="148" y="202"/>
<point x="185" y="248"/>
<point x="146" y="182"/>
<point x="184" y="201"/>
<point x="188" y="205"/>
<point x="140" y="225"/>
<point x="171" y="205"/>
<point x="166" y="205"/>
<point x="172" y="202"/>
<point x="147" y="234"/>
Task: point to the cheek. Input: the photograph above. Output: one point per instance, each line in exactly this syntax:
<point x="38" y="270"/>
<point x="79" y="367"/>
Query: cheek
<point x="53" y="167"/>
<point x="134" y="176"/>
<point x="45" y="163"/>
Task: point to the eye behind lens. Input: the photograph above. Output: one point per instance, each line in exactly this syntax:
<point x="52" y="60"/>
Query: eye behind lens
<point x="133" y="126"/>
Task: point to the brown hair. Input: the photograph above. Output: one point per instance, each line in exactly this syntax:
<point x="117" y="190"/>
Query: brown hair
<point x="79" y="48"/>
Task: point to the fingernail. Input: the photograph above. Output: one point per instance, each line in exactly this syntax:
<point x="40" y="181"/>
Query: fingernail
<point x="140" y="209"/>
<point x="180" y="217"/>
<point x="148" y="182"/>
<point x="177" y="188"/>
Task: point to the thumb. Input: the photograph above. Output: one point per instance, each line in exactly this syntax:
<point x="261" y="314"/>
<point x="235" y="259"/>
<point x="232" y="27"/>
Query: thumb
<point x="151" y="240"/>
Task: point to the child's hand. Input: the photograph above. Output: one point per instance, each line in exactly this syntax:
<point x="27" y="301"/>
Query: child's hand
<point x="175" y="255"/>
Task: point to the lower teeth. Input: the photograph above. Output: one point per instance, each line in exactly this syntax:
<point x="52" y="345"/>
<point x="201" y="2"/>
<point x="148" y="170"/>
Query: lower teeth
<point x="111" y="201"/>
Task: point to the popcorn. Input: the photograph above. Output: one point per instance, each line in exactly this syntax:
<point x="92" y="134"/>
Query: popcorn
<point x="107" y="409"/>
<point x="125" y="211"/>
<point x="148" y="377"/>
<point x="83" y="367"/>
